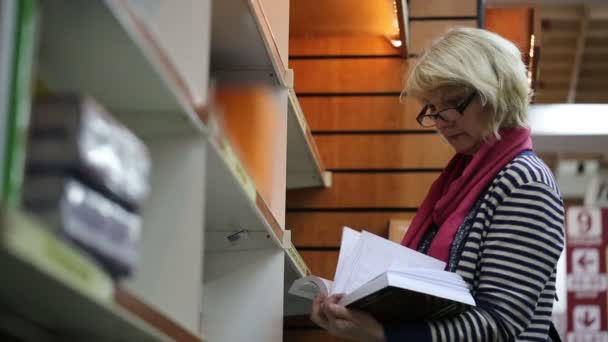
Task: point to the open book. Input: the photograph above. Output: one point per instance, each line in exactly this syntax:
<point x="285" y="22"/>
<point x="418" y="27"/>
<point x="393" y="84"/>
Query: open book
<point x="390" y="281"/>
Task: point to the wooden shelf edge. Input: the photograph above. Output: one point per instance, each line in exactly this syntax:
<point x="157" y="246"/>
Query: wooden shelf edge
<point x="151" y="316"/>
<point x="270" y="43"/>
<point x="270" y="219"/>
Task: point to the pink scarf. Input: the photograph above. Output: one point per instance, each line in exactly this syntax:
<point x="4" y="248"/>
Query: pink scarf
<point x="453" y="194"/>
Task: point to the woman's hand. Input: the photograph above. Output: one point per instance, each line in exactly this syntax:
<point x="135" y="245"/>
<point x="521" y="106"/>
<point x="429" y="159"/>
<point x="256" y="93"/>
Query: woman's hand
<point x="345" y="323"/>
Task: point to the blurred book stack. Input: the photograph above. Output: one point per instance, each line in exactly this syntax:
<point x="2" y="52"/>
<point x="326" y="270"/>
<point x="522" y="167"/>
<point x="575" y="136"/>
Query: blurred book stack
<point x="87" y="178"/>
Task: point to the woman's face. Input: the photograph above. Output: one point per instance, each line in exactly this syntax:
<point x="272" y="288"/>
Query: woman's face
<point x="466" y="133"/>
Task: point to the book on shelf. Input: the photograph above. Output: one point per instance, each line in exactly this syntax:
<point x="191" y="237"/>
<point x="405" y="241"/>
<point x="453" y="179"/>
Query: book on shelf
<point x="86" y="178"/>
<point x="72" y="133"/>
<point x="389" y="281"/>
<point x="104" y="229"/>
<point x="25" y="239"/>
<point x="7" y="36"/>
<point x="24" y="34"/>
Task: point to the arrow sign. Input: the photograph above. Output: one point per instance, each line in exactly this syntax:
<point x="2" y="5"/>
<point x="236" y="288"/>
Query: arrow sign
<point x="587" y="320"/>
<point x="583" y="261"/>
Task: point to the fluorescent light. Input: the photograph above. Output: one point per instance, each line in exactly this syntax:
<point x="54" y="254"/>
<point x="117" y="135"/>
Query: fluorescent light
<point x="569" y="119"/>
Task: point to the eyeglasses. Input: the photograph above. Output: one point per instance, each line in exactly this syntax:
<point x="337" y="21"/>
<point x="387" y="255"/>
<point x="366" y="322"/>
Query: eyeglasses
<point x="426" y="119"/>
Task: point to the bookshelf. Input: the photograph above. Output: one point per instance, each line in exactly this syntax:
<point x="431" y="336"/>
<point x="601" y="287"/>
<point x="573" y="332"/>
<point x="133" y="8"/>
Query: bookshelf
<point x="211" y="245"/>
<point x="243" y="44"/>
<point x="304" y="165"/>
<point x="45" y="289"/>
<point x="136" y="80"/>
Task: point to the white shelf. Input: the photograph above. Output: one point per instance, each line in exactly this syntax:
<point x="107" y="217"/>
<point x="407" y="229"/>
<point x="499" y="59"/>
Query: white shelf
<point x="304" y="165"/>
<point x="102" y="49"/>
<point x="242" y="43"/>
<point x="36" y="291"/>
<point x="234" y="205"/>
<point x="293" y="261"/>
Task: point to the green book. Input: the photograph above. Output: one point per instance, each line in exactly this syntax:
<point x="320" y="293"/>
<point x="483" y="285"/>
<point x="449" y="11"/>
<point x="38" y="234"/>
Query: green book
<point x="8" y="13"/>
<point x="19" y="100"/>
<point x="25" y="239"/>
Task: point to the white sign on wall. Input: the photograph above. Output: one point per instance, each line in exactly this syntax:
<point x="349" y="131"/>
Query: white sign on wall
<point x="584" y="224"/>
<point x="587" y="318"/>
<point x="585" y="261"/>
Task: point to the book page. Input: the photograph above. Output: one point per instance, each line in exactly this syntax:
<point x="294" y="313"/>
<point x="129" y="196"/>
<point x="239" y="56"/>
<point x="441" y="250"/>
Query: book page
<point x="350" y="237"/>
<point x="309" y="287"/>
<point x="375" y="255"/>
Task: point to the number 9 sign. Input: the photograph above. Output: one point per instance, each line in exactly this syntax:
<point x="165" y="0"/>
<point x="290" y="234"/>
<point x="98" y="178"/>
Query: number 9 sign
<point x="584" y="224"/>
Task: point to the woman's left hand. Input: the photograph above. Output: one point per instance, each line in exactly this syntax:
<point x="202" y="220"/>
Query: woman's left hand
<point x="350" y="324"/>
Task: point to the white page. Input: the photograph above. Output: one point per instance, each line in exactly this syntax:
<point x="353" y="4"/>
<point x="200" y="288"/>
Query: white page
<point x="440" y="277"/>
<point x="350" y="237"/>
<point x="375" y="255"/>
<point x="354" y="251"/>
<point x="310" y="286"/>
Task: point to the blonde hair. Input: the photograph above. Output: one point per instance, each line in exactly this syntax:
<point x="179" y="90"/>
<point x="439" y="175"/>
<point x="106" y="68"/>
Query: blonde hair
<point x="481" y="61"/>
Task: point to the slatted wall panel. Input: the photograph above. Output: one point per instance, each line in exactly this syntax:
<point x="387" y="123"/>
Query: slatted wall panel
<point x="382" y="162"/>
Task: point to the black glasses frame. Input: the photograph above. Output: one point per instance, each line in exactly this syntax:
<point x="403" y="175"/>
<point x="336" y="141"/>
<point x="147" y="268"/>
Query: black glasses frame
<point x="434" y="116"/>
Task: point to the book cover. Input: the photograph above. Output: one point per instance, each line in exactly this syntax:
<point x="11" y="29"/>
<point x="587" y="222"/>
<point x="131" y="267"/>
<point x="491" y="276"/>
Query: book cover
<point x="102" y="228"/>
<point x="26" y="239"/>
<point x="7" y="36"/>
<point x="74" y="134"/>
<point x="19" y="100"/>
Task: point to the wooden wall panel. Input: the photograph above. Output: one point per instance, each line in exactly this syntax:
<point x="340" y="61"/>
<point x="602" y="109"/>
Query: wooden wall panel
<point x="321" y="263"/>
<point x="422" y="33"/>
<point x="361" y="113"/>
<point x="324" y="229"/>
<point x="500" y="20"/>
<point x="383" y="151"/>
<point x="366" y="190"/>
<point x="442" y="8"/>
<point x="309" y="335"/>
<point x="350" y="75"/>
<point x="340" y="46"/>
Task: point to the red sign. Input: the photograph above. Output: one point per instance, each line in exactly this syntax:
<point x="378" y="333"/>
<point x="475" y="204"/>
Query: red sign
<point x="586" y="233"/>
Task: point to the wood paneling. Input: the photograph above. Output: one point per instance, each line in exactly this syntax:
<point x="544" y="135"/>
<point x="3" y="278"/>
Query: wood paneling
<point x="326" y="17"/>
<point x="397" y="229"/>
<point x="340" y="46"/>
<point x="366" y="190"/>
<point x="383" y="151"/>
<point x="309" y="335"/>
<point x="422" y="33"/>
<point x="351" y="75"/>
<point x="500" y="20"/>
<point x="361" y="113"/>
<point x="324" y="229"/>
<point x="321" y="263"/>
<point x="442" y="8"/>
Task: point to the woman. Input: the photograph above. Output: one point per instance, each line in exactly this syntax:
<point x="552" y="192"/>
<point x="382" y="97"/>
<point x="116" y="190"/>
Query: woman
<point x="494" y="215"/>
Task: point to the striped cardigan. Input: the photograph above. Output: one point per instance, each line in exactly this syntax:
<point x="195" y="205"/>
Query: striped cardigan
<point x="508" y="257"/>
